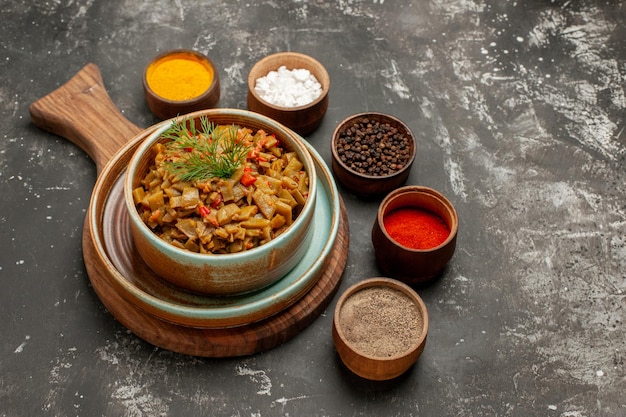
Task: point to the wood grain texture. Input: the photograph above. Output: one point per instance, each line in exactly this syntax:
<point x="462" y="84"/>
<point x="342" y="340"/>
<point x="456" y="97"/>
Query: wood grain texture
<point x="226" y="342"/>
<point x="82" y="112"/>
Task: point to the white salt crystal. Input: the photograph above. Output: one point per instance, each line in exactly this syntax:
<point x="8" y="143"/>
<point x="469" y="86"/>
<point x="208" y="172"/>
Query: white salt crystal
<point x="288" y="88"/>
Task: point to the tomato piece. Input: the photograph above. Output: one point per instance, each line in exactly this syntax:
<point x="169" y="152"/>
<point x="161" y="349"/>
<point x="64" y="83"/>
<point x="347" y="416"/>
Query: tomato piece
<point x="247" y="179"/>
<point x="215" y="203"/>
<point x="204" y="211"/>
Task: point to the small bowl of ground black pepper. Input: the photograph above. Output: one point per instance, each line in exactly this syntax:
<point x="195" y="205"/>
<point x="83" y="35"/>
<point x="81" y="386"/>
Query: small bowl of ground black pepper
<point x="372" y="153"/>
<point x="414" y="234"/>
<point x="380" y="327"/>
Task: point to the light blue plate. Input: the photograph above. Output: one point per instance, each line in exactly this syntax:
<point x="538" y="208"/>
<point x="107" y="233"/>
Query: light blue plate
<point x="140" y="286"/>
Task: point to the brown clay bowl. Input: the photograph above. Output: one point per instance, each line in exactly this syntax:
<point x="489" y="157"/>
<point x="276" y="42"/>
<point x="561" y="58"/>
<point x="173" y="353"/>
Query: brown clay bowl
<point x="375" y="176"/>
<point x="414" y="266"/>
<point x="380" y="327"/>
<point x="302" y="119"/>
<point x="166" y="108"/>
<point x="223" y="274"/>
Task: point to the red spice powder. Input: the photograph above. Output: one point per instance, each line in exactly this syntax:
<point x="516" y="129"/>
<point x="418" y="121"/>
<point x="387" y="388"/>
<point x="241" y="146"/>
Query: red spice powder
<point x="416" y="228"/>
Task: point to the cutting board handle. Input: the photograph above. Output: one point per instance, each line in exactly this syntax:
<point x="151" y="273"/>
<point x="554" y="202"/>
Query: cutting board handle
<point x="82" y="112"/>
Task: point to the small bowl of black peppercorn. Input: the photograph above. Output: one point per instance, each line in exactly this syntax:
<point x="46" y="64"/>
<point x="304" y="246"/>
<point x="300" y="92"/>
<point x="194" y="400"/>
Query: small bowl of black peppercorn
<point x="372" y="153"/>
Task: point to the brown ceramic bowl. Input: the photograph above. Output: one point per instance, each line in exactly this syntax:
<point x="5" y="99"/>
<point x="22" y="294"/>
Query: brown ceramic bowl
<point x="233" y="273"/>
<point x="359" y="178"/>
<point x="303" y="119"/>
<point x="414" y="266"/>
<point x="198" y="95"/>
<point x="379" y="328"/>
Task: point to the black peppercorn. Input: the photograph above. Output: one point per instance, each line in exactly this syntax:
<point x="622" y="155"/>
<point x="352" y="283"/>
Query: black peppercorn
<point x="373" y="148"/>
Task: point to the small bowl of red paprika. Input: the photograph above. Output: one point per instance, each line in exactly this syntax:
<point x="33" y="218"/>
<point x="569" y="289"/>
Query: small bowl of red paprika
<point x="414" y="234"/>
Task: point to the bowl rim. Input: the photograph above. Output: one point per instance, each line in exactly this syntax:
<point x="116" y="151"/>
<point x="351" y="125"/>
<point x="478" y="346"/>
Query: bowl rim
<point x="207" y="93"/>
<point x="325" y="81"/>
<point x="389" y="283"/>
<point x="423" y="190"/>
<point x="226" y="258"/>
<point x="347" y="120"/>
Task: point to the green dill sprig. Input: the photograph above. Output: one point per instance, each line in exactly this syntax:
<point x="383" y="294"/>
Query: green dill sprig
<point x="200" y="154"/>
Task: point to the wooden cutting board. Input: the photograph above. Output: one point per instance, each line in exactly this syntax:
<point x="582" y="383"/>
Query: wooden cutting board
<point x="82" y="112"/>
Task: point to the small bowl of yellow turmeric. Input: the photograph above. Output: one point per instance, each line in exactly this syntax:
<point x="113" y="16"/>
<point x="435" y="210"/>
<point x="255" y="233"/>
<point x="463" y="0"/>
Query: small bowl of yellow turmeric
<point x="180" y="81"/>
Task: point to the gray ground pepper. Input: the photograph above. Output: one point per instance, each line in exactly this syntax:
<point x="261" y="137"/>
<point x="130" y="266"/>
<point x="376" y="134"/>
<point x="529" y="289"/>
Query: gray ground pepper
<point x="380" y="321"/>
<point x="373" y="148"/>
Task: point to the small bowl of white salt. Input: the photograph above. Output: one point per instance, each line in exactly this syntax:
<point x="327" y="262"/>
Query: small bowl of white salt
<point x="291" y="88"/>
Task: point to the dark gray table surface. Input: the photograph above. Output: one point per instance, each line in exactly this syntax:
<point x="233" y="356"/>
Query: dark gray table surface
<point x="519" y="111"/>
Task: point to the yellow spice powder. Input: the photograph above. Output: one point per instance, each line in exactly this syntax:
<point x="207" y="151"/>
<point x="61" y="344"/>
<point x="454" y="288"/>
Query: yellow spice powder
<point x="179" y="77"/>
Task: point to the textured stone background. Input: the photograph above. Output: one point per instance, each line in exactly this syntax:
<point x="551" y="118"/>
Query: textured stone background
<point x="519" y="109"/>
